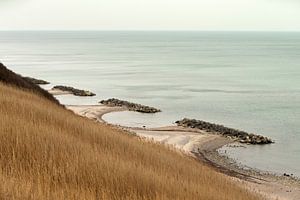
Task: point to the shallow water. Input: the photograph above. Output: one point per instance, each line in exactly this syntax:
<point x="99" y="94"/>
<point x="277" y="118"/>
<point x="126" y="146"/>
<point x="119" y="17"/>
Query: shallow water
<point x="245" y="80"/>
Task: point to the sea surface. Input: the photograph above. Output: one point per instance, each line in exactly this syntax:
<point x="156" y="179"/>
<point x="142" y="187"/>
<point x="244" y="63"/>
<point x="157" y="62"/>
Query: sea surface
<point x="245" y="80"/>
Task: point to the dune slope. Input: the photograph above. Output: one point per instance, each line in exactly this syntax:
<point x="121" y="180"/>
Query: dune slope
<point x="47" y="152"/>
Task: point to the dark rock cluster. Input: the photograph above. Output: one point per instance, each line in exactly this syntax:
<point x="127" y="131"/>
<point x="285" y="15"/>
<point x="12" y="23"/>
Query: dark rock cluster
<point x="288" y="175"/>
<point x="131" y="106"/>
<point x="241" y="136"/>
<point x="74" y="91"/>
<point x="36" y="81"/>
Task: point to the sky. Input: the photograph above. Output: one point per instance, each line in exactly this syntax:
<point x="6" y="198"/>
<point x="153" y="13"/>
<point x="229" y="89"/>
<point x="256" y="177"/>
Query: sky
<point x="223" y="15"/>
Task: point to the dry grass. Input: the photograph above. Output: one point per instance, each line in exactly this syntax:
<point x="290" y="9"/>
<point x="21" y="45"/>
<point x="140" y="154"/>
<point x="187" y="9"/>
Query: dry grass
<point x="47" y="152"/>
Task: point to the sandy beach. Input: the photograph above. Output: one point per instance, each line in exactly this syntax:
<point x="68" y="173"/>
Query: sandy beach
<point x="203" y="146"/>
<point x="58" y="92"/>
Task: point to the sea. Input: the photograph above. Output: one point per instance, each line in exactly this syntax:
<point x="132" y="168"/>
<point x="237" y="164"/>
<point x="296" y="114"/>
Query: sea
<point x="244" y="80"/>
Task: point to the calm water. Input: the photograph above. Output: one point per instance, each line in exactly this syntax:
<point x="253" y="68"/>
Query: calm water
<point x="249" y="81"/>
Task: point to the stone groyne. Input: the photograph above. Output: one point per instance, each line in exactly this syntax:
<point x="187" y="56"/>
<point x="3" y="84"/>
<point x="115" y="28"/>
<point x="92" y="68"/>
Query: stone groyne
<point x="74" y="91"/>
<point x="130" y="106"/>
<point x="36" y="81"/>
<point x="240" y="136"/>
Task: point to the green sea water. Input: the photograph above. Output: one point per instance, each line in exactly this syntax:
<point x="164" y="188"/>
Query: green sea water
<point x="244" y="80"/>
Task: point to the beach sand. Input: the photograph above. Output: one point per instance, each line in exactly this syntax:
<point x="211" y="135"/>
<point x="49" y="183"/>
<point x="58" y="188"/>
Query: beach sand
<point x="203" y="146"/>
<point x="58" y="92"/>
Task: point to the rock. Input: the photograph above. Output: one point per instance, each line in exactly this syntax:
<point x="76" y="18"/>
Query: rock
<point x="36" y="81"/>
<point x="131" y="106"/>
<point x="74" y="91"/>
<point x="241" y="136"/>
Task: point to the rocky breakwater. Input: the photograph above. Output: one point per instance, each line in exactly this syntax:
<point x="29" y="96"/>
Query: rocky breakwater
<point x="73" y="91"/>
<point x="130" y="106"/>
<point x="240" y="136"/>
<point x="36" y="81"/>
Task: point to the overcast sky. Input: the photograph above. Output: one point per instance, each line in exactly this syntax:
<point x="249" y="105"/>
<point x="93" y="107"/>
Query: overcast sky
<point x="267" y="15"/>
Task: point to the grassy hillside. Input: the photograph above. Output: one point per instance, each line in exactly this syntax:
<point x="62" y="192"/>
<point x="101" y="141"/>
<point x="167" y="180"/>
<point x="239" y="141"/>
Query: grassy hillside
<point x="47" y="152"/>
<point x="9" y="77"/>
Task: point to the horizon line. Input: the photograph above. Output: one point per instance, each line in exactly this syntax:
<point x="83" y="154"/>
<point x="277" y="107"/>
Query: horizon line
<point x="138" y="30"/>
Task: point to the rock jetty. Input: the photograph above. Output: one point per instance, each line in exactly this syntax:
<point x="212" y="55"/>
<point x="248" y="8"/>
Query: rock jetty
<point x="130" y="106"/>
<point x="74" y="91"/>
<point x="36" y="81"/>
<point x="241" y="136"/>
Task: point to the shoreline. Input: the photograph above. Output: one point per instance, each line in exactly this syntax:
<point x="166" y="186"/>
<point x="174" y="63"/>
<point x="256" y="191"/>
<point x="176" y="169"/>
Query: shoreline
<point x="203" y="146"/>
